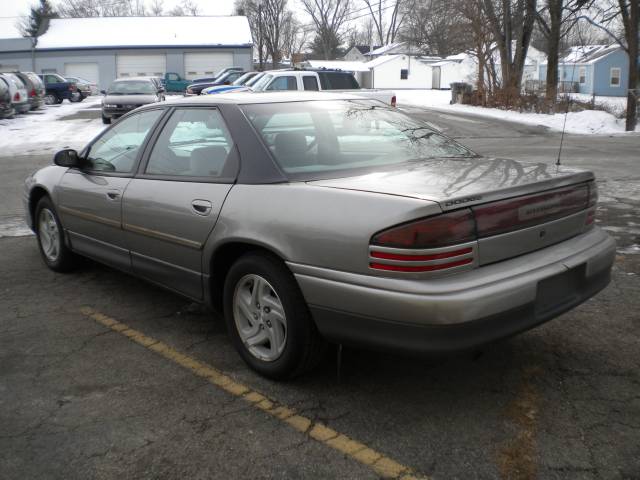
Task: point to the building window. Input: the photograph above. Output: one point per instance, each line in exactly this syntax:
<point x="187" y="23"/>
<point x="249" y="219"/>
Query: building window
<point x="404" y="74"/>
<point x="582" y="75"/>
<point x="615" y="77"/>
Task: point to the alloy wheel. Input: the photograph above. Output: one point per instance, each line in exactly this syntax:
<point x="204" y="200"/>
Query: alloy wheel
<point x="260" y="317"/>
<point x="49" y="235"/>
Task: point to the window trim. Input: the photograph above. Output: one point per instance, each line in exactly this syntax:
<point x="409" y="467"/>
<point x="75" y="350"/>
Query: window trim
<point x="136" y="164"/>
<point x="581" y="76"/>
<point x="619" y="84"/>
<point x="234" y="155"/>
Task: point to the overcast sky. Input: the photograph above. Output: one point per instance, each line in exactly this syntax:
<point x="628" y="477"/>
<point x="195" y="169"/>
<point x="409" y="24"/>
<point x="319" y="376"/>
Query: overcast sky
<point x="14" y="8"/>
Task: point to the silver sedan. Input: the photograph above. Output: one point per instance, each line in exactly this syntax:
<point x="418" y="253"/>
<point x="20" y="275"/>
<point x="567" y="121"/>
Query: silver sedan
<point x="312" y="217"/>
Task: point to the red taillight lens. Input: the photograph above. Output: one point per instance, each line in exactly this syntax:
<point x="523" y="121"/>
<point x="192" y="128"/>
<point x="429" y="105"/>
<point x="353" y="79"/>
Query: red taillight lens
<point x="522" y="212"/>
<point x="16" y="97"/>
<point x="423" y="268"/>
<point x="438" y="231"/>
<point x="33" y="92"/>
<point x="393" y="101"/>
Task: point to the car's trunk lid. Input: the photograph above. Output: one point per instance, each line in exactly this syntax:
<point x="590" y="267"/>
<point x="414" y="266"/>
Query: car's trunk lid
<point x="546" y="209"/>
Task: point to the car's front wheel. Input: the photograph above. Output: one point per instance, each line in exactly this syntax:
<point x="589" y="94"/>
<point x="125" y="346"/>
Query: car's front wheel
<point x="50" y="99"/>
<point x="55" y="253"/>
<point x="268" y="319"/>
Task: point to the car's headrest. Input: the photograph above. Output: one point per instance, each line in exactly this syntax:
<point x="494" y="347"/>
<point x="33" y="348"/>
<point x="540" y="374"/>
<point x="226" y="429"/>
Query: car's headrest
<point x="208" y="161"/>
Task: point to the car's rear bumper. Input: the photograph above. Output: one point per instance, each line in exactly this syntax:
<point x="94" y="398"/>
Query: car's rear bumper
<point x="458" y="311"/>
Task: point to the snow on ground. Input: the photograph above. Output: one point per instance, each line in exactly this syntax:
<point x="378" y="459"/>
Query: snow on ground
<point x="41" y="131"/>
<point x="585" y="122"/>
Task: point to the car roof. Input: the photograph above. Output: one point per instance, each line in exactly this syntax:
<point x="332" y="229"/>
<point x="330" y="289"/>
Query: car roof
<point x="247" y="98"/>
<point x="124" y="79"/>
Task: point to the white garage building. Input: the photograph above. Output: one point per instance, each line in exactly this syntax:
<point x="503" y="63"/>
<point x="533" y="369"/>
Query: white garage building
<point x="102" y="48"/>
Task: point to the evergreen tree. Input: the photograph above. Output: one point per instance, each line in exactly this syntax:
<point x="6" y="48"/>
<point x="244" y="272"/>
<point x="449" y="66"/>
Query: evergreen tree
<point x="30" y="26"/>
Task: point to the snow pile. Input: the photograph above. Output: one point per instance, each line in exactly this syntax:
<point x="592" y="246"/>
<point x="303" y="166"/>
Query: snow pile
<point x="42" y="131"/>
<point x="585" y="122"/>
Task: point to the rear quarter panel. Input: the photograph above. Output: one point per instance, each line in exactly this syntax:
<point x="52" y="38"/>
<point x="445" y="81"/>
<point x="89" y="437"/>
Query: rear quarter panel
<point x="312" y="225"/>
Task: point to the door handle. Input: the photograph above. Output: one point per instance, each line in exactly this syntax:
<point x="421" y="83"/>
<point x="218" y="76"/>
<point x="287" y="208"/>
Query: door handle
<point x="113" y="194"/>
<point x="201" y="207"/>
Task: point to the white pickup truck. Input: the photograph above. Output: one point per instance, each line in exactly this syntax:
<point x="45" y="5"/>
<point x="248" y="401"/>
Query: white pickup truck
<point x="319" y="80"/>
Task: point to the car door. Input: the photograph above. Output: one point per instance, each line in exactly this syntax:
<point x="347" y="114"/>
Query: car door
<point x="90" y="199"/>
<point x="172" y="205"/>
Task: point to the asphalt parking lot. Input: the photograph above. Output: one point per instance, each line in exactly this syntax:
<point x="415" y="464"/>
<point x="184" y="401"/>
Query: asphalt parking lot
<point x="104" y="376"/>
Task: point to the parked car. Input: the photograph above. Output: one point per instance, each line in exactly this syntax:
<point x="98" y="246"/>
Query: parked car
<point x="19" y="96"/>
<point x="242" y="83"/>
<point x="319" y="80"/>
<point x="57" y="89"/>
<point x="225" y="79"/>
<point x="124" y="95"/>
<point x="312" y="216"/>
<point x="6" y="107"/>
<point x="175" y="83"/>
<point x="86" y="87"/>
<point x="35" y="88"/>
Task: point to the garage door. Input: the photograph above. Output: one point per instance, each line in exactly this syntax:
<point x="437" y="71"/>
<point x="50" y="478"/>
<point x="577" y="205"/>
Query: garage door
<point x="87" y="71"/>
<point x="141" y="65"/>
<point x="9" y="68"/>
<point x="206" y="64"/>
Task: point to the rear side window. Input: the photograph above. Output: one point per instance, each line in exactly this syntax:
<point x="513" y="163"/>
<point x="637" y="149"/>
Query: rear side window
<point x="337" y="81"/>
<point x="194" y="142"/>
<point x="283" y="83"/>
<point x="310" y="83"/>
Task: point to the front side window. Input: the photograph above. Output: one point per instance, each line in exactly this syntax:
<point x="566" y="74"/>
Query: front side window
<point x="117" y="149"/>
<point x="52" y="79"/>
<point x="194" y="143"/>
<point x="283" y="83"/>
<point x="615" y="77"/>
<point x="324" y="138"/>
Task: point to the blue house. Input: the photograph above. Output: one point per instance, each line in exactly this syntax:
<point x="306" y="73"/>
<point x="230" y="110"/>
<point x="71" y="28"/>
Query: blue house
<point x="596" y="69"/>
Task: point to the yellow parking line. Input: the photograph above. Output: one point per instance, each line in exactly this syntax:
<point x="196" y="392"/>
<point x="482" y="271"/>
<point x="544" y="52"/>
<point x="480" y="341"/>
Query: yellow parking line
<point x="384" y="466"/>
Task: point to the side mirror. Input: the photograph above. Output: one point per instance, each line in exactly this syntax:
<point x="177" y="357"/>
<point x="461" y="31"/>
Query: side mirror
<point x="103" y="92"/>
<point x="67" y="158"/>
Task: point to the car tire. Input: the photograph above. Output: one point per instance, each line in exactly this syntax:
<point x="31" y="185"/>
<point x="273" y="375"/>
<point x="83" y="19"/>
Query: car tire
<point x="59" y="100"/>
<point x="50" y="99"/>
<point x="53" y="249"/>
<point x="106" y="120"/>
<point x="283" y="317"/>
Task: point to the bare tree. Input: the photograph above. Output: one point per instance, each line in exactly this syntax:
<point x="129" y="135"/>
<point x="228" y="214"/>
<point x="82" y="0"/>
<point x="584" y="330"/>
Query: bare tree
<point x="329" y="17"/>
<point x="101" y="8"/>
<point x="479" y="36"/>
<point x="294" y="36"/>
<point x="275" y="14"/>
<point x="387" y="31"/>
<point x="626" y="12"/>
<point x="157" y="8"/>
<point x="512" y="22"/>
<point x="556" y="19"/>
<point x="436" y="26"/>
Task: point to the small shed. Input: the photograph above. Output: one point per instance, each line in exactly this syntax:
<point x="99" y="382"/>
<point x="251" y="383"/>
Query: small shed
<point x="357" y="53"/>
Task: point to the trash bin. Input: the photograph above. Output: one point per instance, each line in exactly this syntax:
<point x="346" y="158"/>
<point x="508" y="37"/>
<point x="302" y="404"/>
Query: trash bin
<point x="458" y="89"/>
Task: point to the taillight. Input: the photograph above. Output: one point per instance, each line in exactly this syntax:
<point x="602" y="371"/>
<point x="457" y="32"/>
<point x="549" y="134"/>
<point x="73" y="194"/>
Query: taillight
<point x="72" y="87"/>
<point x="16" y="97"/>
<point x="433" y="232"/>
<point x="189" y="90"/>
<point x="393" y="101"/>
<point x="522" y="212"/>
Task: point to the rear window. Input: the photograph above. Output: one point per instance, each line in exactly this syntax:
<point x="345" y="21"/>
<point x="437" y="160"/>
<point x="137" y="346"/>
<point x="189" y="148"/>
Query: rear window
<point x="337" y="81"/>
<point x="324" y="139"/>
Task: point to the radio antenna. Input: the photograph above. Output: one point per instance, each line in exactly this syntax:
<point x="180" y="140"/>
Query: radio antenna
<point x="566" y="113"/>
